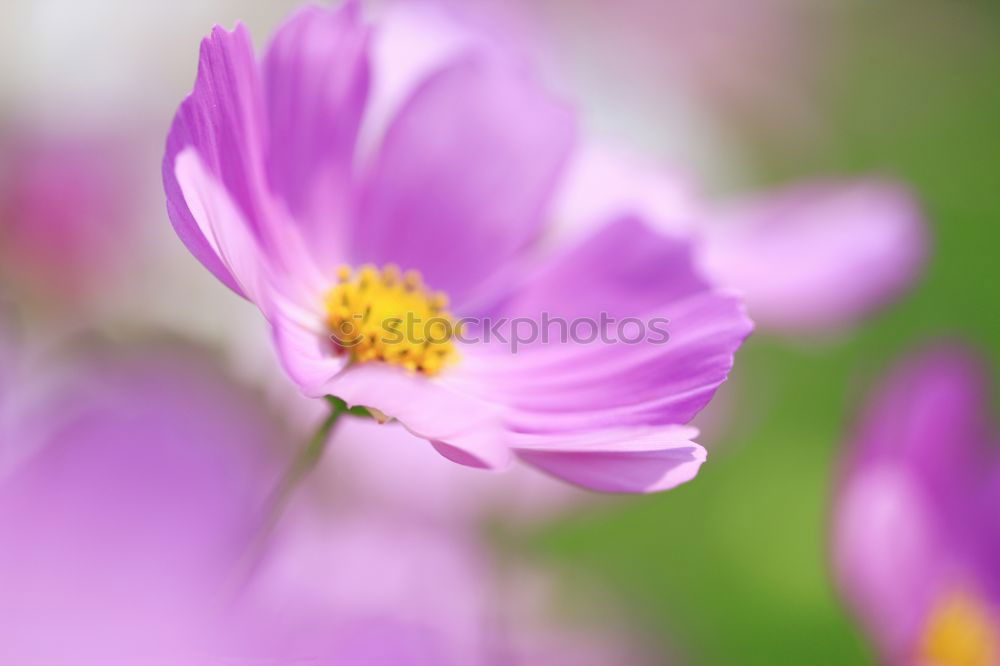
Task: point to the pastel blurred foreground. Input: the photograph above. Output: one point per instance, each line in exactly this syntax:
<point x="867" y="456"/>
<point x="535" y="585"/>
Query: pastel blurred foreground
<point x="131" y="508"/>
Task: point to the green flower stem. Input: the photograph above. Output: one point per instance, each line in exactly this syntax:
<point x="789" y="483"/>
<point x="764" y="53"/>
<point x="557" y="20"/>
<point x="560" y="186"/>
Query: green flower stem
<point x="304" y="463"/>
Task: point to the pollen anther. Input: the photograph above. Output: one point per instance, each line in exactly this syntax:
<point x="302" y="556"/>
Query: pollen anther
<point x="390" y="316"/>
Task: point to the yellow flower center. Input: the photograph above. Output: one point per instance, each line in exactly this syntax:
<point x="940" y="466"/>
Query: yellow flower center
<point x="385" y="315"/>
<point x="961" y="631"/>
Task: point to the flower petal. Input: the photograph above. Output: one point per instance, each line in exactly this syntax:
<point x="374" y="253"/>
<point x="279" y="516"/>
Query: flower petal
<point x="624" y="269"/>
<point x="463" y="428"/>
<point x="907" y="520"/>
<point x="603" y="182"/>
<point x="882" y="514"/>
<point x="618" y="460"/>
<point x="930" y="418"/>
<point x="413" y="41"/>
<point x="463" y="175"/>
<point x="278" y="272"/>
<point x="220" y="224"/>
<point x="315" y="84"/>
<point x="667" y="342"/>
<point x="818" y="255"/>
<point x="222" y="119"/>
<point x="304" y="350"/>
<point x="657" y="381"/>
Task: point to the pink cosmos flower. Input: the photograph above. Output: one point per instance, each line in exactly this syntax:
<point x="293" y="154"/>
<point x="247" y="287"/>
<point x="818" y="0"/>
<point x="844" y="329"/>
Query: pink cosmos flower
<point x="916" y="529"/>
<point x="442" y="200"/>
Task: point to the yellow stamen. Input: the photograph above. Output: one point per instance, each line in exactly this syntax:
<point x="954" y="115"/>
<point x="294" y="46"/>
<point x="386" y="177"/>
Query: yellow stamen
<point x="386" y="315"/>
<point x="961" y="631"/>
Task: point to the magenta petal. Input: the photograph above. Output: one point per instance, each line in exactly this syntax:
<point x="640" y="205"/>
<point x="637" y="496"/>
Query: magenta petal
<point x="567" y="387"/>
<point x="625" y="269"/>
<point x="278" y="273"/>
<point x="123" y="529"/>
<point x="909" y="524"/>
<point x="464" y="174"/>
<point x="931" y="417"/>
<point x="660" y="368"/>
<point x="222" y="119"/>
<point x="882" y="514"/>
<point x="604" y="182"/>
<point x="463" y="428"/>
<point x="315" y="83"/>
<point x="305" y="352"/>
<point x="625" y="461"/>
<point x="221" y="225"/>
<point x="818" y="255"/>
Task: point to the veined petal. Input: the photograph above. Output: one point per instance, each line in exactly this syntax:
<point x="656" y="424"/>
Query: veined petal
<point x="280" y="271"/>
<point x="659" y="368"/>
<point x="220" y="224"/>
<point x="574" y="386"/>
<point x="315" y="83"/>
<point x="222" y="119"/>
<point x="818" y="255"/>
<point x="463" y="176"/>
<point x="624" y="269"/>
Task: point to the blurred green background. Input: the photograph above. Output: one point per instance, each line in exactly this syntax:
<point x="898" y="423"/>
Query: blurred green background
<point x="732" y="569"/>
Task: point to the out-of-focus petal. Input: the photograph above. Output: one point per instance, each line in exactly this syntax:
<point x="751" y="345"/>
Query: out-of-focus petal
<point x="122" y="531"/>
<point x="887" y="554"/>
<point x="629" y="460"/>
<point x="223" y="120"/>
<point x="315" y="85"/>
<point x="931" y="417"/>
<point x="819" y="255"/>
<point x="413" y="41"/>
<point x="907" y="528"/>
<point x="464" y="174"/>
<point x="603" y="182"/>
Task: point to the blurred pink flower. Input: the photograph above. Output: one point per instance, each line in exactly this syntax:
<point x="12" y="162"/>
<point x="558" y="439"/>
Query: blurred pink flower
<point x="124" y="520"/>
<point x="387" y="588"/>
<point x="64" y="206"/>
<point x="916" y="527"/>
<point x="129" y="531"/>
<point x="818" y="256"/>
<point x="266" y="188"/>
